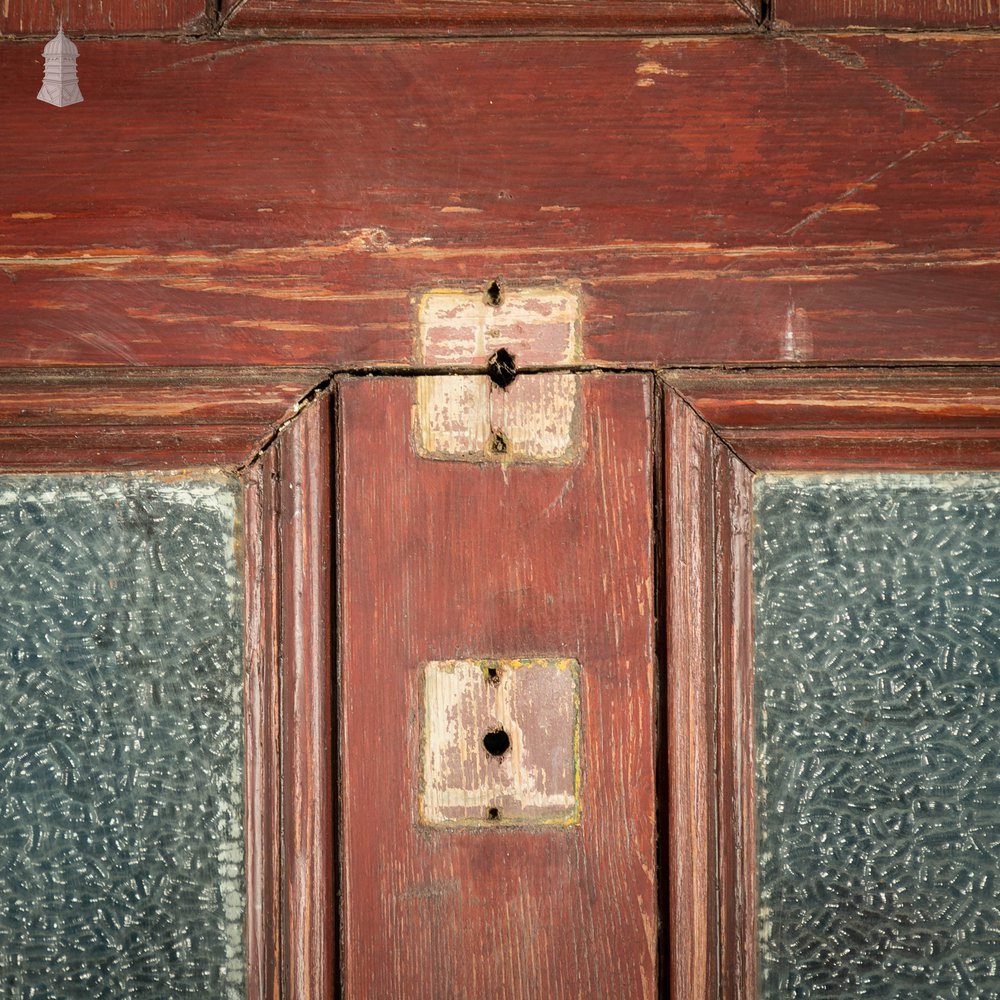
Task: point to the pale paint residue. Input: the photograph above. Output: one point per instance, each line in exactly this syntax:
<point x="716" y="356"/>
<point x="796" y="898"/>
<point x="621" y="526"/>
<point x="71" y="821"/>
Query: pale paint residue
<point x="652" y="68"/>
<point x="32" y="215"/>
<point x="796" y="343"/>
<point x="463" y="416"/>
<point x="458" y="417"/>
<point x="536" y="702"/>
<point x="540" y="326"/>
<point x="855" y="206"/>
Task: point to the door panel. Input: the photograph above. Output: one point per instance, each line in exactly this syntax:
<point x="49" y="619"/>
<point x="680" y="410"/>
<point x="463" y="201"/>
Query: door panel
<point x="878" y="699"/>
<point x="541" y="572"/>
<point x="121" y="777"/>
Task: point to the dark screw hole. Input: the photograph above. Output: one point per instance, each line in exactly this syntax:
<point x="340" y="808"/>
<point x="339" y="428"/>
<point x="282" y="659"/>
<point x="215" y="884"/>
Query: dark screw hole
<point x="492" y="675"/>
<point x="492" y="813"/>
<point x="497" y="742"/>
<point x="493" y="293"/>
<point x="501" y="369"/>
<point x="498" y="444"/>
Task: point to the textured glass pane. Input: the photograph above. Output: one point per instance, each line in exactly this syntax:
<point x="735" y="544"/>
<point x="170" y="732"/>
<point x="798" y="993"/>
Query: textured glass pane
<point x="878" y="689"/>
<point x="121" y="836"/>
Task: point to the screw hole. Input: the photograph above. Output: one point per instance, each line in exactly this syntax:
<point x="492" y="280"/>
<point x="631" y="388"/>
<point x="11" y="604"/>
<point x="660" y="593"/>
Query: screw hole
<point x="498" y="444"/>
<point x="492" y="813"/>
<point x="496" y="742"/>
<point x="493" y="293"/>
<point x="501" y="368"/>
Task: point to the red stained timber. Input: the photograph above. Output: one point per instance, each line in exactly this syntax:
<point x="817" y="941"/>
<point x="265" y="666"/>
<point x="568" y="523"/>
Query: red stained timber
<point x="291" y="230"/>
<point x="103" y="17"/>
<point x="443" y="560"/>
<point x="887" y="13"/>
<point x="480" y="17"/>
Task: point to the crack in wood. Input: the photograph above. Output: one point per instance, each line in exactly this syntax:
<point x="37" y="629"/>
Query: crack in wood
<point x="882" y="171"/>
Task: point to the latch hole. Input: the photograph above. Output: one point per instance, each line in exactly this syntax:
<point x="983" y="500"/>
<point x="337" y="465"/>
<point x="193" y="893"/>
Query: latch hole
<point x="493" y="293"/>
<point x="501" y="368"/>
<point x="492" y="813"/>
<point x="496" y="742"/>
<point x="498" y="444"/>
<point x="492" y="675"/>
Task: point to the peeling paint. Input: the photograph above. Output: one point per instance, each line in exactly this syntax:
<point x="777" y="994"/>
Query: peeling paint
<point x="467" y="417"/>
<point x="536" y="779"/>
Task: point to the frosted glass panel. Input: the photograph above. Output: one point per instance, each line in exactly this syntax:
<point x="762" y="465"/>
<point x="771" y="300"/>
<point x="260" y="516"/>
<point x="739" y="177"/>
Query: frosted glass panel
<point x="121" y="784"/>
<point x="878" y="690"/>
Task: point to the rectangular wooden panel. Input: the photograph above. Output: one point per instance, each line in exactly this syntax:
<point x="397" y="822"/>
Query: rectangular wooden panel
<point x="103" y="17"/>
<point x="693" y="188"/>
<point x="512" y="564"/>
<point x="887" y="13"/>
<point x="480" y="17"/>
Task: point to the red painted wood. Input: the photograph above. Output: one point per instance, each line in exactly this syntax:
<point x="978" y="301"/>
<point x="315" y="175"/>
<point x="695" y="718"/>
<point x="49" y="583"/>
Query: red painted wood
<point x="304" y="571"/>
<point x="732" y="597"/>
<point x="887" y="13"/>
<point x="853" y="419"/>
<point x="695" y="188"/>
<point x="103" y="17"/>
<point x="691" y="681"/>
<point x="164" y="419"/>
<point x="262" y="727"/>
<point x="447" y="559"/>
<point x="479" y="17"/>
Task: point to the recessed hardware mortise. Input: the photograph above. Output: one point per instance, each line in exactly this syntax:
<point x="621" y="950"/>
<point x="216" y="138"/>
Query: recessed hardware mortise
<point x="494" y="294"/>
<point x="500" y="734"/>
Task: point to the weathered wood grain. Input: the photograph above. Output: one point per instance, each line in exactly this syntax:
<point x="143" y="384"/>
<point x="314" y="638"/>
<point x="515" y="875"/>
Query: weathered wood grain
<point x="837" y="419"/>
<point x="262" y="726"/>
<point x="103" y="17"/>
<point x="886" y="13"/>
<point x="444" y="560"/>
<point x="100" y="418"/>
<point x="736" y="721"/>
<point x="694" y="187"/>
<point x="481" y="17"/>
<point x="691" y="702"/>
<point x="308" y="804"/>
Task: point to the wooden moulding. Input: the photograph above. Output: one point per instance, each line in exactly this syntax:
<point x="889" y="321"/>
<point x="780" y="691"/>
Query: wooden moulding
<point x="68" y="419"/>
<point x="900" y="14"/>
<point x="709" y="713"/>
<point x="109" y="17"/>
<point x="291" y="941"/>
<point x="852" y="418"/>
<point x="720" y="427"/>
<point x="413" y="18"/>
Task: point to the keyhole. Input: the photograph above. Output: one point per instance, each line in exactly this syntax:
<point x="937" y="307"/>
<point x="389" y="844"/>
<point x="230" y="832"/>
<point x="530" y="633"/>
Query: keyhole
<point x="496" y="742"/>
<point x="501" y="368"/>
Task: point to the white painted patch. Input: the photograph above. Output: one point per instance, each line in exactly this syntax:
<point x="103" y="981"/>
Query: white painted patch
<point x="536" y="702"/>
<point x="467" y="417"/>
